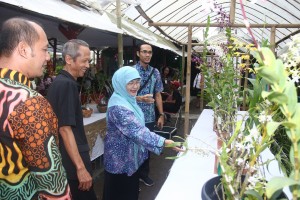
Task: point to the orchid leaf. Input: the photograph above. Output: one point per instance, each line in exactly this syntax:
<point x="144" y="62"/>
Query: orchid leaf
<point x="268" y="74"/>
<point x="271" y="127"/>
<point x="289" y="125"/>
<point x="291" y="92"/>
<point x="254" y="194"/>
<point x="296" y="120"/>
<point x="265" y="94"/>
<point x="278" y="97"/>
<point x="278" y="183"/>
<point x="269" y="57"/>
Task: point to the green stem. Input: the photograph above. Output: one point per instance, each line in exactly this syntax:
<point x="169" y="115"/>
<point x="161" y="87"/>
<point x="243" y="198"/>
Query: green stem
<point x="296" y="156"/>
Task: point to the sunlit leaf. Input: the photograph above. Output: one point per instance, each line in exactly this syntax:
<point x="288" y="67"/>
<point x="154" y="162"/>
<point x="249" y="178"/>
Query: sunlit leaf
<point x="254" y="194"/>
<point x="278" y="183"/>
<point x="278" y="97"/>
<point x="271" y="127"/>
<point x="291" y="92"/>
<point x="289" y="125"/>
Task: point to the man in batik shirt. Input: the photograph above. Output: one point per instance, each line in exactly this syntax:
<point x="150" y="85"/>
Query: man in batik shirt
<point x="30" y="162"/>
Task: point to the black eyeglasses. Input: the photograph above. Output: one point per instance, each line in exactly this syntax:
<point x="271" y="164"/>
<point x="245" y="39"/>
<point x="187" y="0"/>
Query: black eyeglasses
<point x="146" y="52"/>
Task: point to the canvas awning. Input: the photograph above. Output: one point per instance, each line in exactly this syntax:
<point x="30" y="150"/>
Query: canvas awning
<point x="100" y="30"/>
<point x="138" y="31"/>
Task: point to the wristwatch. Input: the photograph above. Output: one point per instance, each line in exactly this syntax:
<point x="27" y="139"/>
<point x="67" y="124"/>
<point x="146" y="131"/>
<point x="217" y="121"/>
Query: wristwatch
<point x="161" y="114"/>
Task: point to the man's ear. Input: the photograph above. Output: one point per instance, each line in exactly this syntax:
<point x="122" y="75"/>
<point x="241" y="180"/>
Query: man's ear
<point x="68" y="59"/>
<point x="23" y="49"/>
<point x="138" y="53"/>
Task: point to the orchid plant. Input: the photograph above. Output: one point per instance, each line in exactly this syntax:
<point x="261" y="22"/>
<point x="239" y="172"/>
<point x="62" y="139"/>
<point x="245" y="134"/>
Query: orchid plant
<point x="273" y="94"/>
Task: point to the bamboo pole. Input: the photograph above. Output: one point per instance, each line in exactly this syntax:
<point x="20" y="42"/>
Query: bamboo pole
<point x="182" y="67"/>
<point x="232" y="11"/>
<point x="272" y="39"/>
<point x="182" y="74"/>
<point x="188" y="82"/>
<point x="120" y="36"/>
<point x="188" y="71"/>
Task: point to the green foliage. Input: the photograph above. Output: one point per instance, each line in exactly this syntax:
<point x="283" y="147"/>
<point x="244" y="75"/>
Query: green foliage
<point x="100" y="78"/>
<point x="283" y="94"/>
<point x="58" y="69"/>
<point x="221" y="85"/>
<point x="277" y="183"/>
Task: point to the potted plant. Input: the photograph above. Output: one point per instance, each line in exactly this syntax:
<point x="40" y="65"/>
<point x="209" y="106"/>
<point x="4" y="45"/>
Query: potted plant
<point x="101" y="79"/>
<point x="274" y="94"/>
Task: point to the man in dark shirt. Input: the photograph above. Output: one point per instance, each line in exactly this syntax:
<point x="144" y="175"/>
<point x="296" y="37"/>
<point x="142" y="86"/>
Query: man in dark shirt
<point x="63" y="95"/>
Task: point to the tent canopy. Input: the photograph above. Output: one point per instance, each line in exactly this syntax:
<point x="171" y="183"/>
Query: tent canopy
<point x="100" y="28"/>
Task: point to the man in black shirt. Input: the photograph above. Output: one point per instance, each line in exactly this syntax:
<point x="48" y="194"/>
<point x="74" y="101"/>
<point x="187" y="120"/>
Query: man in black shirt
<point x="63" y="96"/>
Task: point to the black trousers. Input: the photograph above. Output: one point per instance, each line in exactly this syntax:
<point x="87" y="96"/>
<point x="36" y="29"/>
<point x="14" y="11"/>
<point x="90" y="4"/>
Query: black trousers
<point x="79" y="194"/>
<point x="121" y="186"/>
<point x="145" y="167"/>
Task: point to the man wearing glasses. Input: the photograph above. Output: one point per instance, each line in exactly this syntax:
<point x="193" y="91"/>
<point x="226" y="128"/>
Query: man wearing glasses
<point x="150" y="92"/>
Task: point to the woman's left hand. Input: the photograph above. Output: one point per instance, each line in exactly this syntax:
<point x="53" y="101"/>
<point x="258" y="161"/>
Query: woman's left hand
<point x="160" y="122"/>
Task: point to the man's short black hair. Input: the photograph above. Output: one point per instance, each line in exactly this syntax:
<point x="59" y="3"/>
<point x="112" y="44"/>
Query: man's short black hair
<point x="15" y="30"/>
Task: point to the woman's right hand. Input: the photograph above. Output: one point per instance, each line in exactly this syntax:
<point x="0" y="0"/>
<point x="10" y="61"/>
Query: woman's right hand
<point x="175" y="148"/>
<point x="147" y="98"/>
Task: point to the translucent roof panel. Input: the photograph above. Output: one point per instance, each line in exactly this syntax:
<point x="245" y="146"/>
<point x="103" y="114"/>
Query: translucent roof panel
<point x="196" y="11"/>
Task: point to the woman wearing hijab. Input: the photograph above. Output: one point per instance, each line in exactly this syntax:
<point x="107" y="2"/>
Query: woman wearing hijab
<point x="128" y="141"/>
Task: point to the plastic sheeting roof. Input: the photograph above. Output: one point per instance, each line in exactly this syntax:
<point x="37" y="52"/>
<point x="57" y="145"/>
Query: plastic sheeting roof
<point x="197" y="11"/>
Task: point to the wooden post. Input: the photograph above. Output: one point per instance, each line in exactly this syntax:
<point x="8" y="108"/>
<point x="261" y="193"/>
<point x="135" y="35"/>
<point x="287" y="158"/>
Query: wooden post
<point x="232" y="11"/>
<point x="182" y="74"/>
<point x="188" y="82"/>
<point x="272" y="39"/>
<point x="188" y="71"/>
<point x="182" y="68"/>
<point x="120" y="36"/>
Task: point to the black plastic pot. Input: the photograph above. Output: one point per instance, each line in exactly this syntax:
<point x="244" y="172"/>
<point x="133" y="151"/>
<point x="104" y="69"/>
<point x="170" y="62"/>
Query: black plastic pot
<point x="212" y="189"/>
